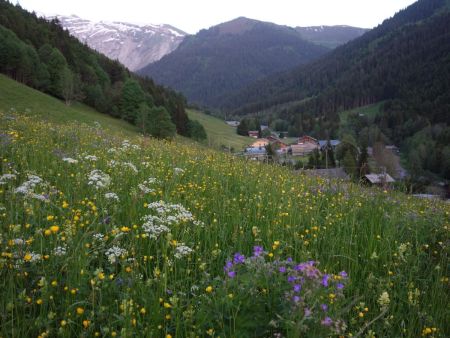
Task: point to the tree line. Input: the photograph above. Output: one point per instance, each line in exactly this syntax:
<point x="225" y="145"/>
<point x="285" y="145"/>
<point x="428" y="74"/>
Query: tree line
<point x="41" y="54"/>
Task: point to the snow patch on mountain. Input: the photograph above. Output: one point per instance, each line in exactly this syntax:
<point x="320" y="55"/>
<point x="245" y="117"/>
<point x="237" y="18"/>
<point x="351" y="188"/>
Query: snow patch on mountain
<point x="134" y="45"/>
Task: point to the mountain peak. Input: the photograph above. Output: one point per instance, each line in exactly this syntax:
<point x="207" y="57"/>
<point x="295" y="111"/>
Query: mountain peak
<point x="133" y="44"/>
<point x="239" y="25"/>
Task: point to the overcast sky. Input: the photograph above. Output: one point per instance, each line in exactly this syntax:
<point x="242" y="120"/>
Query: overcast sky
<point x="193" y="15"/>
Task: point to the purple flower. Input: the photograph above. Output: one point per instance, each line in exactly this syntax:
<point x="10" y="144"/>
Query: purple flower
<point x="325" y="279"/>
<point x="327" y="321"/>
<point x="343" y="274"/>
<point x="231" y="274"/>
<point x="282" y="269"/>
<point x="297" y="287"/>
<point x="238" y="258"/>
<point x="289" y="259"/>
<point x="228" y="265"/>
<point x="291" y="279"/>
<point x="340" y="286"/>
<point x="324" y="307"/>
<point x="258" y="251"/>
<point x="300" y="267"/>
<point x="296" y="299"/>
<point x="308" y="312"/>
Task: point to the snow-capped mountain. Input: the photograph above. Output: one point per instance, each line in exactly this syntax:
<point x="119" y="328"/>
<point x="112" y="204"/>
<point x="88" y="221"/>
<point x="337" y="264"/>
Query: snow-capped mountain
<point x="134" y="45"/>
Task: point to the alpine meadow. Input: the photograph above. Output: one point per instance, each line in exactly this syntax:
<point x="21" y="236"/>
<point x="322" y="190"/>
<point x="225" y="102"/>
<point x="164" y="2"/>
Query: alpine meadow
<point x="128" y="210"/>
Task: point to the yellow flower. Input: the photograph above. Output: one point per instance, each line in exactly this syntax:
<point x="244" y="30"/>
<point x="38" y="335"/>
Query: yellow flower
<point x="143" y="311"/>
<point x="47" y="232"/>
<point x="50" y="218"/>
<point x="65" y="204"/>
<point x="27" y="257"/>
<point x="167" y="305"/>
<point x="63" y="323"/>
<point x="54" y="283"/>
<point x="86" y="323"/>
<point x="209" y="289"/>
<point x="125" y="229"/>
<point x="39" y="301"/>
<point x="80" y="311"/>
<point x="54" y="229"/>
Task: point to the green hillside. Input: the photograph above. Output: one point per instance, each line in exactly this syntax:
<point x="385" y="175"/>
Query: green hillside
<point x="219" y="133"/>
<point x="18" y="97"/>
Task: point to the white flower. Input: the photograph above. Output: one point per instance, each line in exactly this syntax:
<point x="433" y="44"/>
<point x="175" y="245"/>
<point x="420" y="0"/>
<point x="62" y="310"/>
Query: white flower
<point x="145" y="189"/>
<point x="70" y="160"/>
<point x="182" y="250"/>
<point x="60" y="251"/>
<point x="178" y="170"/>
<point x="174" y="213"/>
<point x="115" y="252"/>
<point x="112" y="196"/>
<point x="91" y="158"/>
<point x="6" y="177"/>
<point x="130" y="166"/>
<point x="40" y="197"/>
<point x="384" y="300"/>
<point x="98" y="236"/>
<point x="154" y="226"/>
<point x="28" y="186"/>
<point x="18" y="241"/>
<point x="99" y="179"/>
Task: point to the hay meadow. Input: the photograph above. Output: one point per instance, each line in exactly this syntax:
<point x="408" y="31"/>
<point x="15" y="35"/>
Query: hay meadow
<point x="111" y="235"/>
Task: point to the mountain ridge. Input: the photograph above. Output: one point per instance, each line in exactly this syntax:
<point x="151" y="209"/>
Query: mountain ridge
<point x="134" y="45"/>
<point x="230" y="55"/>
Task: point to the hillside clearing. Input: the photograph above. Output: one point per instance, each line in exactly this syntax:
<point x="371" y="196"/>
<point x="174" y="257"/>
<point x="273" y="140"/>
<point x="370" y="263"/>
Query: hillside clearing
<point x="220" y="135"/>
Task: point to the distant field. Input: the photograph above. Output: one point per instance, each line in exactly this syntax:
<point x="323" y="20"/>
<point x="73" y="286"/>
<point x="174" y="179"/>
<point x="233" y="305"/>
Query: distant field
<point x="16" y="96"/>
<point x="370" y="111"/>
<point x="219" y="133"/>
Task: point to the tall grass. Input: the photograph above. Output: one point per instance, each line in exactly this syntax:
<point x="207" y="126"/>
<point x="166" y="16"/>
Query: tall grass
<point x="138" y="247"/>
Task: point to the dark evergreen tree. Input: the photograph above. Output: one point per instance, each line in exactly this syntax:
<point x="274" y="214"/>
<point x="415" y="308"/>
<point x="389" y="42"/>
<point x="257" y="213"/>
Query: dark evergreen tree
<point x="196" y="131"/>
<point x="161" y="125"/>
<point x="132" y="97"/>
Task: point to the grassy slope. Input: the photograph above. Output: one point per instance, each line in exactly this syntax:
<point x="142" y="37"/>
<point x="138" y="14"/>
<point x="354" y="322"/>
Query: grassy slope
<point x="16" y="96"/>
<point x="219" y="133"/>
<point x="370" y="111"/>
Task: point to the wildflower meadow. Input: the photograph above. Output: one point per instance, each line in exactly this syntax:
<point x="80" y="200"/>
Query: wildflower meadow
<point x="103" y="236"/>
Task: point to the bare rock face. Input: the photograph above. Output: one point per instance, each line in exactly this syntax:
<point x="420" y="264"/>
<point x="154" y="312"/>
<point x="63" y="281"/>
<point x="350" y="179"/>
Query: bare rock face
<point x="133" y="45"/>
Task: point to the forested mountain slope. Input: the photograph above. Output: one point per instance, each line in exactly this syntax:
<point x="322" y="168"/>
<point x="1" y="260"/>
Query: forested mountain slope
<point x="230" y="56"/>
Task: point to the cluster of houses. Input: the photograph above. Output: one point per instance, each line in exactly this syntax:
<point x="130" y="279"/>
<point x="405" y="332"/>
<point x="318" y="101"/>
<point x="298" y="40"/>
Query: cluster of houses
<point x="304" y="146"/>
<point x="301" y="147"/>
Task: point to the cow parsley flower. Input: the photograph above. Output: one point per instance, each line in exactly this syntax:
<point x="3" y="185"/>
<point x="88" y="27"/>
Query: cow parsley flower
<point x="92" y="158"/>
<point x="28" y="186"/>
<point x="112" y="196"/>
<point x="6" y="177"/>
<point x="60" y="251"/>
<point x="182" y="250"/>
<point x="70" y="160"/>
<point x="99" y="179"/>
<point x="115" y="252"/>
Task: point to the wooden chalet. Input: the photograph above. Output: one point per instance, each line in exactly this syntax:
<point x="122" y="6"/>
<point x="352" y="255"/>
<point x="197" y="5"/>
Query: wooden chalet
<point x="305" y="145"/>
<point x="253" y="133"/>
